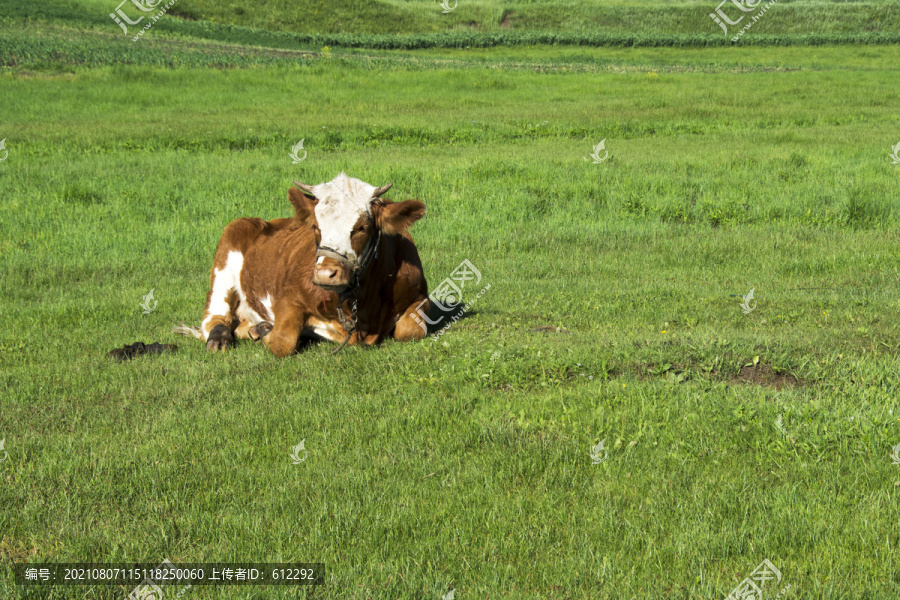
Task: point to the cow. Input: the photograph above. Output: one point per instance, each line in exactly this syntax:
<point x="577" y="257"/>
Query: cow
<point x="342" y="268"/>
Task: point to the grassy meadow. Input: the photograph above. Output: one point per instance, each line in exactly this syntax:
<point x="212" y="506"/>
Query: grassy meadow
<point x="461" y="462"/>
<point x="653" y="17"/>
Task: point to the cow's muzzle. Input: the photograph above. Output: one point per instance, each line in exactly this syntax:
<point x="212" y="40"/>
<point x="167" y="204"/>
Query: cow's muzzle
<point x="337" y="273"/>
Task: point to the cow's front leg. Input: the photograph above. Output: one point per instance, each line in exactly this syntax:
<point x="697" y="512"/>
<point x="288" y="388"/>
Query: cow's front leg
<point x="260" y="330"/>
<point x="248" y="331"/>
<point x="283" y="336"/>
<point x="222" y="301"/>
<point x="412" y="323"/>
<point x="364" y="338"/>
<point x="220" y="338"/>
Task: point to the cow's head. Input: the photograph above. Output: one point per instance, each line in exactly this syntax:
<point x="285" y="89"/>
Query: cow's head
<point x="348" y="217"/>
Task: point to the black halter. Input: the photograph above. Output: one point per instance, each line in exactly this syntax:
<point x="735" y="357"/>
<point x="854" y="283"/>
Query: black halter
<point x="357" y="269"/>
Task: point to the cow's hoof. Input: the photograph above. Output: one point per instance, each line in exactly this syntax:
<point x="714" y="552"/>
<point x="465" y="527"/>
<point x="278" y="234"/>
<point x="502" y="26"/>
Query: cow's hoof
<point x="260" y="330"/>
<point x="220" y="338"/>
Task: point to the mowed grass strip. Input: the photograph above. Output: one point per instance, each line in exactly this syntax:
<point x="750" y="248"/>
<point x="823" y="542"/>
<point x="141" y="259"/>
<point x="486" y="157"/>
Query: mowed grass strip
<point x="422" y="24"/>
<point x="613" y="314"/>
<point x="388" y="17"/>
<point x="38" y="47"/>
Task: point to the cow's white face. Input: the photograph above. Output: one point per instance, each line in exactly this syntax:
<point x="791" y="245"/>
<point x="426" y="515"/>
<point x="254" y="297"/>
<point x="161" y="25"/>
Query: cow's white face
<point x="343" y="201"/>
<point x="348" y="217"/>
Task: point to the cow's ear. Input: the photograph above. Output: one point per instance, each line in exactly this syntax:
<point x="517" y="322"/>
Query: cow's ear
<point x="304" y="204"/>
<point x="395" y="217"/>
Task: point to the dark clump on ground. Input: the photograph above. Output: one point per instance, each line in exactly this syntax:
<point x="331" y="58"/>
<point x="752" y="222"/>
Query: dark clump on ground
<point x="763" y="374"/>
<point x="139" y="348"/>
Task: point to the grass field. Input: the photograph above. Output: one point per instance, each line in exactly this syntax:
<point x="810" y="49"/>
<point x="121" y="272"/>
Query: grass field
<point x="427" y="16"/>
<point x="461" y="462"/>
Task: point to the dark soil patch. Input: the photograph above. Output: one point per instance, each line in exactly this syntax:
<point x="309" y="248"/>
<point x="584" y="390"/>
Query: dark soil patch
<point x="760" y="374"/>
<point x="176" y="12"/>
<point x="139" y="349"/>
<point x="550" y="329"/>
<point x="504" y="22"/>
<point x="763" y="374"/>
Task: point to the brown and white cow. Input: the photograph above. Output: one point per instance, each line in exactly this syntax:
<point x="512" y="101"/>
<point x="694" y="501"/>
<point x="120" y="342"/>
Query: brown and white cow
<point x="277" y="280"/>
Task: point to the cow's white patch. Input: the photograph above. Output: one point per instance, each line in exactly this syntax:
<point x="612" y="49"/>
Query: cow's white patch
<point x="325" y="329"/>
<point x="267" y="302"/>
<point x="245" y="313"/>
<point x="342" y="201"/>
<point x="319" y="260"/>
<point x="224" y="280"/>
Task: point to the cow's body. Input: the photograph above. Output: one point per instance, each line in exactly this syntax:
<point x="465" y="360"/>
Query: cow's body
<point x="268" y="282"/>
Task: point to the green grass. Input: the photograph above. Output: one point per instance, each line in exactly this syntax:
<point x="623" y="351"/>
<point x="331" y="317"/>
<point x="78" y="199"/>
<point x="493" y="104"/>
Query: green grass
<point x="421" y="23"/>
<point x="461" y="463"/>
<point x="656" y="17"/>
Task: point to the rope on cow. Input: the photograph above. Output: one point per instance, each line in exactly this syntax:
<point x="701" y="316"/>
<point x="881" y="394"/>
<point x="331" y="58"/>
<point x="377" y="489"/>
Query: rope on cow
<point x="344" y="343"/>
<point x="349" y="325"/>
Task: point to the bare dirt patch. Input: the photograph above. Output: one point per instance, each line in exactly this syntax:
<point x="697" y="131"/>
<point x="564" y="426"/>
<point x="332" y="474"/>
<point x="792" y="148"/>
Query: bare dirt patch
<point x="758" y="374"/>
<point x="763" y="374"/>
<point x="178" y="13"/>
<point x="550" y="329"/>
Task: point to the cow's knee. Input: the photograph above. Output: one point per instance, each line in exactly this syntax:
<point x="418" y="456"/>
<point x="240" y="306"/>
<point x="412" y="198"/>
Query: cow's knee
<point x="282" y="343"/>
<point x="243" y="331"/>
<point x="282" y="338"/>
<point x="409" y="327"/>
